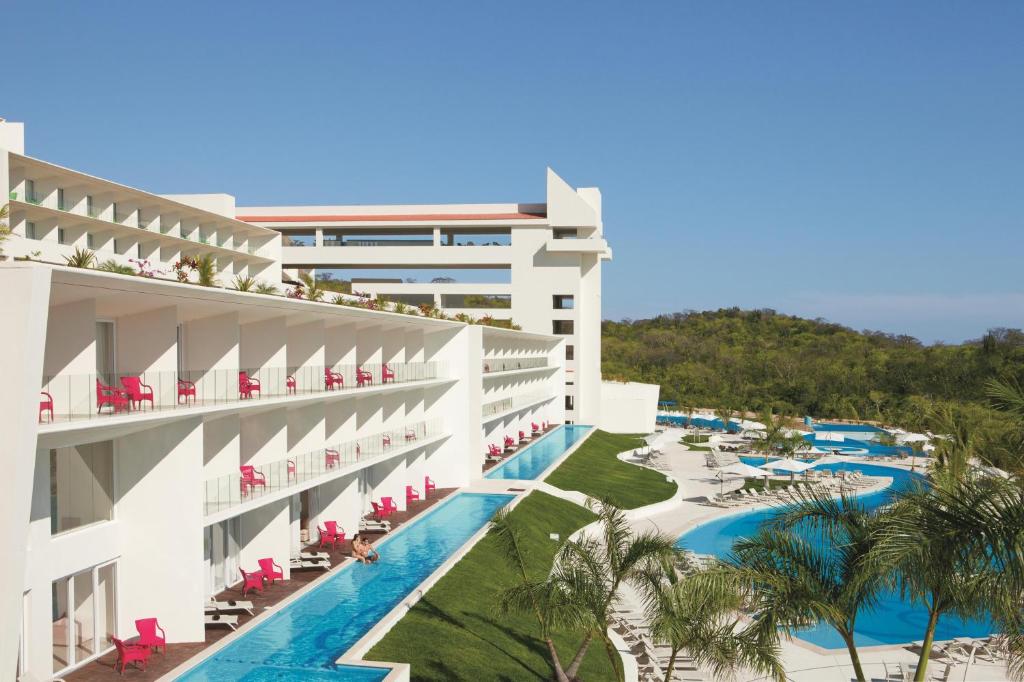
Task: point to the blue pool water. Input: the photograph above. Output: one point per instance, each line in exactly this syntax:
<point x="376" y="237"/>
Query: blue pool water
<point x="867" y="429"/>
<point x="304" y="639"/>
<point x="534" y="459"/>
<point x="890" y="621"/>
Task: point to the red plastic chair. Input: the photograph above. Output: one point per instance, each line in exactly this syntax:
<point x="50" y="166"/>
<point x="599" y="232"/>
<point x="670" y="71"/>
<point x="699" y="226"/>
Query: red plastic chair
<point x="363" y="377"/>
<point x="428" y="486"/>
<point x="410" y="435"/>
<point x="251" y="478"/>
<point x="270" y="570"/>
<point x="332" y="528"/>
<point x="151" y="634"/>
<point x="137" y="391"/>
<point x="109" y="395"/>
<point x="332" y="379"/>
<point x="534" y="427"/>
<point x="130" y="653"/>
<point x="494" y="450"/>
<point x="186" y="389"/>
<point x="386" y="373"/>
<point x="388" y="506"/>
<point x="411" y="495"/>
<point x="522" y="437"/>
<point x="387" y="441"/>
<point x="378" y="512"/>
<point x="510" y="443"/>
<point x="332" y="458"/>
<point x="290" y="385"/>
<point x="328" y="538"/>
<point x="45" y="405"/>
<point x="253" y="581"/>
<point x="291" y="469"/>
<point x="247" y="385"/>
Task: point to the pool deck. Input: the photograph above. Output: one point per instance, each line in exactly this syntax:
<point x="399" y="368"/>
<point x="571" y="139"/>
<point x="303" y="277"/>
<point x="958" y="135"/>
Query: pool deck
<point x="804" y="662"/>
<point x="177" y="654"/>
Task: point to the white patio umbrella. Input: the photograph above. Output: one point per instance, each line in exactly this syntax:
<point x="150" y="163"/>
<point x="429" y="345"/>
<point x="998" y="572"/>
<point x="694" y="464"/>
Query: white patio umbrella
<point x="793" y="466"/>
<point x="739" y="469"/>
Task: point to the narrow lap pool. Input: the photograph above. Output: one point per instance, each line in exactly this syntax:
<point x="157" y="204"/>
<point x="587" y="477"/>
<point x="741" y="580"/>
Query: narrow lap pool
<point x="305" y="638"/>
<point x="890" y="621"/>
<point x="534" y="459"/>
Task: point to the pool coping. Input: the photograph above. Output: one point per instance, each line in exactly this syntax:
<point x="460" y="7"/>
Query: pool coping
<point x="400" y="671"/>
<point x="554" y="464"/>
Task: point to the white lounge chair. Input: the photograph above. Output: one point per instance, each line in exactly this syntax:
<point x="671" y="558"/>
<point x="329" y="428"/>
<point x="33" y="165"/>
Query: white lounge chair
<point x="221" y="619"/>
<point x="213" y="606"/>
<point x="297" y="564"/>
<point x="313" y="556"/>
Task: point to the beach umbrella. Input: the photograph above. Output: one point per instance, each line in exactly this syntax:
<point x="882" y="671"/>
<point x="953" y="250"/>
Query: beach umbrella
<point x="791" y="465"/>
<point x="739" y="469"/>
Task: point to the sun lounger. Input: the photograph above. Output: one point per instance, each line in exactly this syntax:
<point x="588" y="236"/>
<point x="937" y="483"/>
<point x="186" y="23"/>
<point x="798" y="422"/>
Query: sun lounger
<point x="213" y="607"/>
<point x="297" y="564"/>
<point x="221" y="619"/>
<point x="313" y="556"/>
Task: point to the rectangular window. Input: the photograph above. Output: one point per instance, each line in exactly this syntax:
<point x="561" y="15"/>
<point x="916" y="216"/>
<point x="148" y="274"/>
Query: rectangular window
<point x="89" y="241"/>
<point x="570" y="352"/>
<point x="568" y="402"/>
<point x="30" y="192"/>
<point x="30" y="231"/>
<point x="563" y="302"/>
<point x="60" y="199"/>
<point x="81" y="486"/>
<point x="90" y="209"/>
<point x="562" y="327"/>
<point x="61" y="237"/>
<point x="565" y="233"/>
<point x="113" y="209"/>
<point x="106" y="364"/>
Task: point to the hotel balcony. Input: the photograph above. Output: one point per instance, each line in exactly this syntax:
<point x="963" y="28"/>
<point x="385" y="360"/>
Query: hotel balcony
<point x="81" y="397"/>
<point x="497" y="409"/>
<point x="514" y="364"/>
<point x="289" y="475"/>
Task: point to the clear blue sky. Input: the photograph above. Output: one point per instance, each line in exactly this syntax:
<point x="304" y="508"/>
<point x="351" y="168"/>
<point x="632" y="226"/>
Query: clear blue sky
<point x="861" y="162"/>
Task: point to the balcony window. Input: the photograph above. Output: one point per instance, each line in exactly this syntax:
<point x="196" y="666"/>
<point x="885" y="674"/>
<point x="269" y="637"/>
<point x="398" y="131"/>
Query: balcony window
<point x="89" y="241"/>
<point x="570" y="352"/>
<point x="562" y="327"/>
<point x="83" y="608"/>
<point x="60" y="199"/>
<point x="563" y="302"/>
<point x="378" y="237"/>
<point x="300" y="238"/>
<point x="30" y="231"/>
<point x="500" y="237"/>
<point x="569" y="403"/>
<point x="61" y="237"/>
<point x="81" y="486"/>
<point x="90" y="207"/>
<point x="565" y="233"/>
<point x="476" y="301"/>
<point x="30" y="192"/>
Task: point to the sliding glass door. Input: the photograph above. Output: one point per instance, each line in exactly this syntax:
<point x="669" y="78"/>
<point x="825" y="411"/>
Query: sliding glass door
<point x="83" y="613"/>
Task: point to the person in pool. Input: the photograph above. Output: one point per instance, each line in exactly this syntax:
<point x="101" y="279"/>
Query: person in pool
<point x="363" y="551"/>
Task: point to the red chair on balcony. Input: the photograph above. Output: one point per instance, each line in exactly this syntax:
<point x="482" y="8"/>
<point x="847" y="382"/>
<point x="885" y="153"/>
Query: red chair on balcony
<point x="386" y="373"/>
<point x="109" y="395"/>
<point x="247" y="385"/>
<point x="251" y="479"/>
<point x="270" y="570"/>
<point x="151" y="634"/>
<point x="363" y="377"/>
<point x="291" y="469"/>
<point x="410" y="434"/>
<point x="386" y="441"/>
<point x="130" y="653"/>
<point x="411" y="495"/>
<point x="378" y="511"/>
<point x="329" y="538"/>
<point x="510" y="443"/>
<point x="523" y="437"/>
<point x="186" y="389"/>
<point x="45" y="405"/>
<point x="388" y="506"/>
<point x="332" y="458"/>
<point x="290" y="385"/>
<point x="138" y="392"/>
<point x="332" y="379"/>
<point x="494" y="451"/>
<point x="534" y="428"/>
<point x="253" y="581"/>
<point x="428" y="486"/>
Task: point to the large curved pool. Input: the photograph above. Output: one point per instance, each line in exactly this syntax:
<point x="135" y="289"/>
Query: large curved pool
<point x="891" y="621"/>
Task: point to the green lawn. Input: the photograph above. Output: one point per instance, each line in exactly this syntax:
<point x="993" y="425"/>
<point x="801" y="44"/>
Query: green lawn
<point x="692" y="438"/>
<point x="453" y="632"/>
<point x="594" y="470"/>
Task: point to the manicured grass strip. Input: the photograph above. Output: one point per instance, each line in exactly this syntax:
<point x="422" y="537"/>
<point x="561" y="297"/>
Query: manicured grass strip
<point x="594" y="470"/>
<point x="692" y="438"/>
<point x="453" y="633"/>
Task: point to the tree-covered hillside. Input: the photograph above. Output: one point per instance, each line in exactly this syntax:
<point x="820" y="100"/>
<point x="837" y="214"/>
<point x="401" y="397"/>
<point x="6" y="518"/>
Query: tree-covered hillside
<point x="752" y="359"/>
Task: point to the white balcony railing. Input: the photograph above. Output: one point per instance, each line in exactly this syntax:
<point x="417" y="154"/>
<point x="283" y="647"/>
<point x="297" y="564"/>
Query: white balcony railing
<point x="510" y="364"/>
<point x="512" y="402"/>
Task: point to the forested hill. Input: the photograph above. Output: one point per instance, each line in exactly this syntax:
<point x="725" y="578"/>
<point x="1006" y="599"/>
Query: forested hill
<point x="747" y="359"/>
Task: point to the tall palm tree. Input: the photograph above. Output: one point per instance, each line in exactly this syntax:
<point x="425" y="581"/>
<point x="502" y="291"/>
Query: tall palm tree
<point x="529" y="595"/>
<point x="206" y="271"/>
<point x="958" y="548"/>
<point x="774" y="431"/>
<point x="959" y="444"/>
<point x="314" y="290"/>
<point x="698" y="612"/>
<point x="724" y="413"/>
<point x="811" y="564"/>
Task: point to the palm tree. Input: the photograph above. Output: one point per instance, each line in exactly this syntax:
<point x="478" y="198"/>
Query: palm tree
<point x="314" y="291"/>
<point x="81" y="258"/>
<point x="266" y="288"/>
<point x="811" y="564"/>
<point x="5" y="230"/>
<point x="111" y="265"/>
<point x="724" y="413"/>
<point x="958" y="446"/>
<point x="698" y="612"/>
<point x="243" y="283"/>
<point x="956" y="549"/>
<point x="528" y="595"/>
<point x="774" y="431"/>
<point x="1007" y="396"/>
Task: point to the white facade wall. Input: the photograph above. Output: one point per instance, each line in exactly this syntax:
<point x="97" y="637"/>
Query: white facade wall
<point x="628" y="407"/>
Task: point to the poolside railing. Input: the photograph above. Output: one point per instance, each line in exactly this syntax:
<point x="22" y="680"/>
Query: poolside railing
<point x="75" y="395"/>
<point x="228" y="491"/>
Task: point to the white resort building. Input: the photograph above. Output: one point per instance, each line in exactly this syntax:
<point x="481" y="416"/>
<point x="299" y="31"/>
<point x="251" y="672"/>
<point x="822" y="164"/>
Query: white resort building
<point x="162" y="435"/>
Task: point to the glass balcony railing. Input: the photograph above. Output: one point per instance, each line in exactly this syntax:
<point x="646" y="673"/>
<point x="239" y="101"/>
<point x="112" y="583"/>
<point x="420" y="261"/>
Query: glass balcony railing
<point x="510" y="364"/>
<point x="231" y="490"/>
<point x="512" y="402"/>
<point x="89" y="396"/>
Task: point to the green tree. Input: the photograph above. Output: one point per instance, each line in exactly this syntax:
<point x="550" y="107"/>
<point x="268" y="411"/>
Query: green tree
<point x="797" y="578"/>
<point x="314" y="292"/>
<point x="774" y="433"/>
<point x="206" y="271"/>
<point x="241" y="283"/>
<point x="81" y="258"/>
<point x="725" y="414"/>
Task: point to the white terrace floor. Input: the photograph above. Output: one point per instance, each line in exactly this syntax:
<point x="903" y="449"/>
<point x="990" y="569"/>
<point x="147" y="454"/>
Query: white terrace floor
<point x="803" y="662"/>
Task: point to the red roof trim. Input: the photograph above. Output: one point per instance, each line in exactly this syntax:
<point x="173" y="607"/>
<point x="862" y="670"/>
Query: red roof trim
<point x="423" y="217"/>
